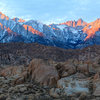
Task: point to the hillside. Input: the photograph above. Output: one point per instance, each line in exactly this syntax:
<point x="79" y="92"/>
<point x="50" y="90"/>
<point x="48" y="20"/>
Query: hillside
<point x="23" y="53"/>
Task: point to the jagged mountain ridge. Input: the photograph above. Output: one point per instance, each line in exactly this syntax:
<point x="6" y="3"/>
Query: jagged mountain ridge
<point x="74" y="23"/>
<point x="72" y="34"/>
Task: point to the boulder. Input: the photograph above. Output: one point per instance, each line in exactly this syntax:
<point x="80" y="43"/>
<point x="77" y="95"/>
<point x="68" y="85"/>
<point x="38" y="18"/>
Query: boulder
<point x="40" y="71"/>
<point x="12" y="70"/>
<point x="95" y="65"/>
<point x="73" y="84"/>
<point x="97" y="92"/>
<point x="96" y="85"/>
<point x="83" y="96"/>
<point x="83" y="68"/>
<point x="66" y="69"/>
<point x="43" y="72"/>
<point x="55" y="93"/>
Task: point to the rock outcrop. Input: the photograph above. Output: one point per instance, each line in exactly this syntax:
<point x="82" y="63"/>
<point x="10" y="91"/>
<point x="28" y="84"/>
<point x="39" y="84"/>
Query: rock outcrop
<point x="74" y="84"/>
<point x="67" y="68"/>
<point x="54" y="73"/>
<point x="12" y="71"/>
<point x="42" y="72"/>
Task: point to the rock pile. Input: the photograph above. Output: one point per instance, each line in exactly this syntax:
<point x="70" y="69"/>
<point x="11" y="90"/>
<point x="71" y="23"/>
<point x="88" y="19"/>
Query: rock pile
<point x="73" y="80"/>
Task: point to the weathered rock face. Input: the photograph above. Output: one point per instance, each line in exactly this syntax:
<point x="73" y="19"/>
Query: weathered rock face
<point x="42" y="72"/>
<point x="97" y="88"/>
<point x="96" y="85"/>
<point x="95" y="65"/>
<point x="73" y="66"/>
<point x="12" y="70"/>
<point x="89" y="67"/>
<point x="82" y="77"/>
<point x="83" y="67"/>
<point x="66" y="69"/>
<point x="73" y="84"/>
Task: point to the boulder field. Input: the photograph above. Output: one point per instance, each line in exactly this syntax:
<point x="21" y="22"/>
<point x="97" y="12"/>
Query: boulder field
<point x="42" y="79"/>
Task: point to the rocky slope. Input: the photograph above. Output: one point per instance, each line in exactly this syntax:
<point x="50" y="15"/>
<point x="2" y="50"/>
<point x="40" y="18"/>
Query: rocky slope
<point x="38" y="72"/>
<point x="74" y="23"/>
<point x="22" y="53"/>
<point x="50" y="80"/>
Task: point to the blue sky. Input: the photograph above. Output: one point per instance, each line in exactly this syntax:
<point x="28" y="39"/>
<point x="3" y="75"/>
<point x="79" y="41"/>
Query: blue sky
<point x="52" y="11"/>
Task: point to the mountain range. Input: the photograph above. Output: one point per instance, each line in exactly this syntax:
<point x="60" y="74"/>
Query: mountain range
<point x="70" y="34"/>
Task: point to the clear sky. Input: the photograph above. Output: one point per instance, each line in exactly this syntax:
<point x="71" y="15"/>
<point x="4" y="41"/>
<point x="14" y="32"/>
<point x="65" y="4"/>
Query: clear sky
<point x="52" y="11"/>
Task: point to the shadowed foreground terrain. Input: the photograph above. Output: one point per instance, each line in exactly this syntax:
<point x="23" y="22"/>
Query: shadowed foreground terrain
<point x="18" y="53"/>
<point x="21" y="53"/>
<point x="38" y="72"/>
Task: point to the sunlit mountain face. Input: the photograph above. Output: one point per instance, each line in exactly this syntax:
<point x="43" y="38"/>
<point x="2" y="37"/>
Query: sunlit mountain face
<point x="74" y="23"/>
<point x="18" y="20"/>
<point x="92" y="28"/>
<point x="4" y="16"/>
<point x="6" y="22"/>
<point x="89" y="28"/>
<point x="70" y="34"/>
